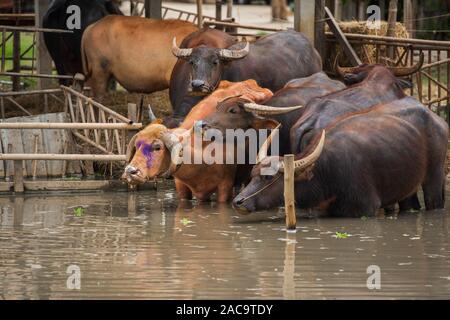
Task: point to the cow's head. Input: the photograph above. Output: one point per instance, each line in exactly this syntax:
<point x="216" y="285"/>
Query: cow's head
<point x="149" y="154"/>
<point x="207" y="65"/>
<point x="239" y="113"/>
<point x="265" y="189"/>
<point x="353" y="75"/>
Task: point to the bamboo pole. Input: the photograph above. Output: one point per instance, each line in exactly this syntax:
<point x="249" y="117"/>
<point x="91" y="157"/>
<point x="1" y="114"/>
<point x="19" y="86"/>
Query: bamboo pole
<point x="289" y="197"/>
<point x="32" y="29"/>
<point x="34" y="75"/>
<point x="34" y="163"/>
<point x="19" y="157"/>
<point x="72" y="126"/>
<point x="241" y="26"/>
<point x="98" y="105"/>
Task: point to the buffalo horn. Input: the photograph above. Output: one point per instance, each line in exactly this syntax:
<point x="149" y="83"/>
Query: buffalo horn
<point x="406" y="71"/>
<point x="178" y="52"/>
<point x="169" y="139"/>
<point x="235" y="54"/>
<point x="267" y="110"/>
<point x="305" y="162"/>
<point x="265" y="147"/>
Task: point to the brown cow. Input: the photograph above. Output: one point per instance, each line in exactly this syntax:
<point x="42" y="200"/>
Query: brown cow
<point x="150" y="150"/>
<point x="133" y="50"/>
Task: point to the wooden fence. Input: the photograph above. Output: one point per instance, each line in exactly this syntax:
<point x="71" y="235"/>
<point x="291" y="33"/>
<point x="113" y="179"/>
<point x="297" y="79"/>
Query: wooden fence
<point x="431" y="85"/>
<point x="23" y="55"/>
<point x="103" y="129"/>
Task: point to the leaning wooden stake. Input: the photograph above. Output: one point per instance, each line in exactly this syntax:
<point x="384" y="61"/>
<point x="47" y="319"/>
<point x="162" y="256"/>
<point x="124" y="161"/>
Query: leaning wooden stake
<point x="289" y="198"/>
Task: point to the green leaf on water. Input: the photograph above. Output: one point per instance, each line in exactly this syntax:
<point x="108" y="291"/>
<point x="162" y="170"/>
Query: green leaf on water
<point x="341" y="235"/>
<point x="78" y="211"/>
<point x="186" y="221"/>
<point x="364" y="218"/>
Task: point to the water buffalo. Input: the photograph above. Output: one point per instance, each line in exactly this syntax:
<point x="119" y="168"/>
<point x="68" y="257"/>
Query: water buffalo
<point x="181" y="77"/>
<point x="272" y="61"/>
<point x="65" y="48"/>
<point x="149" y="152"/>
<point x="134" y="51"/>
<point x="236" y="113"/>
<point x="367" y="160"/>
<point x="373" y="84"/>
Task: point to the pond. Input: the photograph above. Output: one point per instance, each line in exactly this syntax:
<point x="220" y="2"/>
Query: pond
<point x="146" y="245"/>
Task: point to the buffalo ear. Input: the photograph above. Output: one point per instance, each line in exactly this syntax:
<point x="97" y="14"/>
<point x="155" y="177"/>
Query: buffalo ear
<point x="351" y="78"/>
<point x="261" y="123"/>
<point x="404" y="84"/>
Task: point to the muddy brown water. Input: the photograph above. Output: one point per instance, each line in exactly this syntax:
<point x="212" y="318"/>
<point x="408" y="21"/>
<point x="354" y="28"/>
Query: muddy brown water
<point x="147" y="245"/>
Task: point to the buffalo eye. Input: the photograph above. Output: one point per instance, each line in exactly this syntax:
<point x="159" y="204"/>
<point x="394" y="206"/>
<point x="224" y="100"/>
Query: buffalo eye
<point x="191" y="62"/>
<point x="216" y="62"/>
<point x="267" y="177"/>
<point x="232" y="110"/>
<point x="156" y="147"/>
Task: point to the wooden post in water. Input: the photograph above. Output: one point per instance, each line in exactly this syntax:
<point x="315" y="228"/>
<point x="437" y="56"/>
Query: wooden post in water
<point x="289" y="196"/>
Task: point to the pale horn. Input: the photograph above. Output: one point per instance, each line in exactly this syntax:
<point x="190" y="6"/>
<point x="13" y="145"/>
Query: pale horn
<point x="307" y="161"/>
<point x="268" y="110"/>
<point x="178" y="52"/>
<point x="228" y="54"/>
<point x="265" y="147"/>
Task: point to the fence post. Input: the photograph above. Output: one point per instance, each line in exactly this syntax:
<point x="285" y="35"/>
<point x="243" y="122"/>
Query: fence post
<point x="44" y="61"/>
<point x="153" y="9"/>
<point x="18" y="176"/>
<point x="289" y="196"/>
<point x="16" y="60"/>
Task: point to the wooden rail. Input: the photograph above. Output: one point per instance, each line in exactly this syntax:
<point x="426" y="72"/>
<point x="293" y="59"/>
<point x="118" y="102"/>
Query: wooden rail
<point x="59" y="157"/>
<point x="71" y="126"/>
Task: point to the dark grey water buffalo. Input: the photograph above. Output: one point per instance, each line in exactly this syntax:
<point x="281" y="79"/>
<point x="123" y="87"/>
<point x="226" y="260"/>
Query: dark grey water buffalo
<point x="372" y="85"/>
<point x="367" y="160"/>
<point x="65" y="49"/>
<point x="237" y="113"/>
<point x="272" y="61"/>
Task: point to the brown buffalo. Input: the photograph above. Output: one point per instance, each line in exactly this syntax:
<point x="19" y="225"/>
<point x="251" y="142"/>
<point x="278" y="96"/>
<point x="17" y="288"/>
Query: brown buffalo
<point x="180" y="79"/>
<point x="366" y="160"/>
<point x="150" y="151"/>
<point x="134" y="51"/>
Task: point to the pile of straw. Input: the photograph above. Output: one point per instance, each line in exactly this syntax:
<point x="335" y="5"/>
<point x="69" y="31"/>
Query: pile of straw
<point x="367" y="54"/>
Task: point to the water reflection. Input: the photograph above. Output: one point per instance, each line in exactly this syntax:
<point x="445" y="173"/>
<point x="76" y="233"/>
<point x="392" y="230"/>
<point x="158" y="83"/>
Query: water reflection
<point x="146" y="245"/>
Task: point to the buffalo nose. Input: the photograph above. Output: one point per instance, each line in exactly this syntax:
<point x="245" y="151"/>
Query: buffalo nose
<point x="197" y="84"/>
<point x="237" y="202"/>
<point x="131" y="170"/>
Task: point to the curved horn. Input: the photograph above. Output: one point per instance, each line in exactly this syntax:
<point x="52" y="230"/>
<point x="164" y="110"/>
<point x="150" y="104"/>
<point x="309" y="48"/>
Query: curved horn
<point x="235" y="54"/>
<point x="131" y="148"/>
<point x="342" y="71"/>
<point x="406" y="71"/>
<point x="268" y="110"/>
<point x="265" y="147"/>
<point x="151" y="114"/>
<point x="307" y="161"/>
<point x="169" y="139"/>
<point x="180" y="53"/>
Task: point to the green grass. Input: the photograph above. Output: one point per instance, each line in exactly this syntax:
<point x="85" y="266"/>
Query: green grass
<point x="26" y="41"/>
